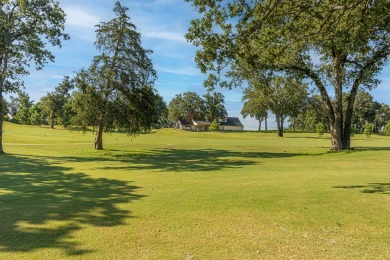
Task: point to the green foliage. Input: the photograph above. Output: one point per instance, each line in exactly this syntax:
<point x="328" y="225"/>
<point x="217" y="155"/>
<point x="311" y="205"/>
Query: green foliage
<point x="53" y="104"/>
<point x="255" y="104"/>
<point x="24" y="105"/>
<point x="284" y="96"/>
<point x="386" y="129"/>
<point x="214" y="106"/>
<point x="353" y="131"/>
<point x="160" y="115"/>
<point x="320" y="129"/>
<point x="312" y="113"/>
<point x="368" y="129"/>
<point x="188" y="106"/>
<point x="214" y="126"/>
<point x="115" y="92"/>
<point x="36" y="114"/>
<point x="343" y="45"/>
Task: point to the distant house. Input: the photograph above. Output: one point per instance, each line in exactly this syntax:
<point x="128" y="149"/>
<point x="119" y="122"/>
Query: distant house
<point x="230" y="124"/>
<point x="225" y="124"/>
<point x="200" y="126"/>
<point x="183" y="125"/>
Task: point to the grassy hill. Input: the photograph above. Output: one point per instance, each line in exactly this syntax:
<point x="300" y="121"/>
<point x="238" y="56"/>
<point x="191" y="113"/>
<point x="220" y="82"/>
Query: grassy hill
<point x="173" y="194"/>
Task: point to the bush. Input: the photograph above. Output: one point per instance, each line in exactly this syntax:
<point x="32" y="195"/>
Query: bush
<point x="320" y="129"/>
<point x="353" y="131"/>
<point x="368" y="129"/>
<point x="386" y="130"/>
<point x="214" y="127"/>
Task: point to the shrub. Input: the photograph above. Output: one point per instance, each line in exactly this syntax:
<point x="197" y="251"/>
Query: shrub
<point x="320" y="129"/>
<point x="368" y="129"/>
<point x="214" y="127"/>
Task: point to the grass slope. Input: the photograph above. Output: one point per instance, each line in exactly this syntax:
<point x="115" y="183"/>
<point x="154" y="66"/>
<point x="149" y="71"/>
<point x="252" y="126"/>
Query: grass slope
<point x="182" y="195"/>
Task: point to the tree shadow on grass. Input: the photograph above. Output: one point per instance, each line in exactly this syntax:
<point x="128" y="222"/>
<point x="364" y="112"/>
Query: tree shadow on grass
<point x="380" y="188"/>
<point x="184" y="160"/>
<point x="41" y="205"/>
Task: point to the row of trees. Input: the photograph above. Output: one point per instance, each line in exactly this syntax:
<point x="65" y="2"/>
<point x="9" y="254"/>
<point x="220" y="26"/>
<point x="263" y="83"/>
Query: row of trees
<point x="190" y="105"/>
<point x="366" y="110"/>
<point x="284" y="96"/>
<point x="114" y="93"/>
<point x="288" y="97"/>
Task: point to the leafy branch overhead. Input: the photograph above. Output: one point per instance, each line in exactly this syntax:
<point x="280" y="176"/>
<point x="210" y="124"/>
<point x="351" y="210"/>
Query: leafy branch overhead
<point x="334" y="45"/>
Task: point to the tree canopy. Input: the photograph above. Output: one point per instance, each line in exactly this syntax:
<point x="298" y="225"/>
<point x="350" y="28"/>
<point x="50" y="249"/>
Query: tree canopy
<point x="116" y="92"/>
<point x="188" y="106"/>
<point x="336" y="45"/>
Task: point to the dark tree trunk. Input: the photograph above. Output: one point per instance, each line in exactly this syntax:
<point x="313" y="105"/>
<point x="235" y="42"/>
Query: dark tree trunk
<point x="52" y="121"/>
<point x="265" y="123"/>
<point x="279" y="124"/>
<point x="337" y="127"/>
<point x="99" y="137"/>
<point x="260" y="120"/>
<point x="349" y="114"/>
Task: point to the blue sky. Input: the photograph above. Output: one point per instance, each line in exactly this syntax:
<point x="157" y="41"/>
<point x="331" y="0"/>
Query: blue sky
<point x="162" y="24"/>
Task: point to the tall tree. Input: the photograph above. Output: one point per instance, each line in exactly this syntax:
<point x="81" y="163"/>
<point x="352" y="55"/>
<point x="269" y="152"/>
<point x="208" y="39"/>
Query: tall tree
<point x="285" y="96"/>
<point x="160" y="118"/>
<point x="255" y="105"/>
<point x="54" y="102"/>
<point x="382" y="116"/>
<point x="115" y="92"/>
<point x="22" y="115"/>
<point x="364" y="111"/>
<point x="188" y="106"/>
<point x="312" y="114"/>
<point x="36" y="114"/>
<point x="341" y="44"/>
<point x="26" y="29"/>
<point x="214" y="106"/>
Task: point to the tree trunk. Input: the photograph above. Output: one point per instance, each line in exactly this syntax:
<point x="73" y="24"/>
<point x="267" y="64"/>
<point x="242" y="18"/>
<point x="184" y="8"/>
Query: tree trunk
<point x="337" y="127"/>
<point x="279" y="124"/>
<point x="260" y="120"/>
<point x="99" y="137"/>
<point x="293" y="123"/>
<point x="265" y="123"/>
<point x="52" y="121"/>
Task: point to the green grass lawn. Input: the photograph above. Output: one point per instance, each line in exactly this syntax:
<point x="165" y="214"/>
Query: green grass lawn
<point x="173" y="194"/>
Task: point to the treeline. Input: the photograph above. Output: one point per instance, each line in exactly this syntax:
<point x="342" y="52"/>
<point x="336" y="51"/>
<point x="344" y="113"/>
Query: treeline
<point x="367" y="113"/>
<point x="61" y="107"/>
<point x="190" y="105"/>
<point x="307" y="113"/>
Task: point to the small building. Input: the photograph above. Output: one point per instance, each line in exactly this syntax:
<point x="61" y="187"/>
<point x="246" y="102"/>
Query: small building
<point x="183" y="125"/>
<point x="230" y="124"/>
<point x="200" y="126"/>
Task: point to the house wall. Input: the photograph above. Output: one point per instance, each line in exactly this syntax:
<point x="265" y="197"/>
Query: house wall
<point x="230" y="128"/>
<point x="183" y="127"/>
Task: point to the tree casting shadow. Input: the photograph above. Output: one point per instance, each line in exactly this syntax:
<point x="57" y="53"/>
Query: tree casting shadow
<point x="41" y="205"/>
<point x="380" y="188"/>
<point x="182" y="160"/>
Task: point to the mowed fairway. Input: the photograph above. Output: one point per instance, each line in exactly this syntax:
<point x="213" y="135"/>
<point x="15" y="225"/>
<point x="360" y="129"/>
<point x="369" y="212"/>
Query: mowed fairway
<point x="172" y="194"/>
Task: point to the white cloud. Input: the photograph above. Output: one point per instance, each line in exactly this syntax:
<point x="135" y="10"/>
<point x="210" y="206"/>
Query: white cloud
<point x="189" y="71"/>
<point x="164" y="35"/>
<point x="77" y="17"/>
